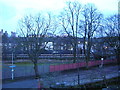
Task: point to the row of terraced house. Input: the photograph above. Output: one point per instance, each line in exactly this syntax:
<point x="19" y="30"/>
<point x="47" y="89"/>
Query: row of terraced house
<point x="54" y="44"/>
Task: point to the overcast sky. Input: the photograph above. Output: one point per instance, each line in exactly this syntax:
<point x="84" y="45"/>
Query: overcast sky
<point x="12" y="10"/>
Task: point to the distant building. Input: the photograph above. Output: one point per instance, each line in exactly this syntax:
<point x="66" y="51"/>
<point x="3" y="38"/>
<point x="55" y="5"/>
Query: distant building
<point x="1" y="32"/>
<point x="13" y="34"/>
<point x="54" y="44"/>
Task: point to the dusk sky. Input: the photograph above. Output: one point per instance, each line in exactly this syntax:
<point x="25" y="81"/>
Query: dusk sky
<point x="13" y="10"/>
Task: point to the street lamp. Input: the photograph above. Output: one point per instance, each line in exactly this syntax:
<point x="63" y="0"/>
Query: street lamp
<point x="12" y="66"/>
<point x="101" y="62"/>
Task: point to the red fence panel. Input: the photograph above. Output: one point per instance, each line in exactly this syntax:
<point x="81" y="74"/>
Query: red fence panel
<point x="82" y="64"/>
<point x="76" y="65"/>
<point x="62" y="67"/>
<point x="90" y="63"/>
<point x="96" y="62"/>
<point x="57" y="68"/>
<point x="70" y="66"/>
<point x="52" y="68"/>
<point x="66" y="66"/>
<point x="109" y="61"/>
<point x="106" y="61"/>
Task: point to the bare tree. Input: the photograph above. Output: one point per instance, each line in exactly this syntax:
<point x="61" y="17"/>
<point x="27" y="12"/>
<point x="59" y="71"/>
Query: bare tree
<point x="32" y="31"/>
<point x="70" y="23"/>
<point x="113" y="34"/>
<point x="90" y="23"/>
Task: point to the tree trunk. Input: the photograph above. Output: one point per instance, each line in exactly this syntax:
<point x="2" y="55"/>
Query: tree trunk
<point x="88" y="52"/>
<point x="118" y="58"/>
<point x="87" y="58"/>
<point x="36" y="70"/>
<point x="74" y="53"/>
<point x="118" y="55"/>
<point x="85" y="53"/>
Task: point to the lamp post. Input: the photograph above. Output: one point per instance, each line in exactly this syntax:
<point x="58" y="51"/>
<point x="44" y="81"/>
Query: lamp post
<point x="78" y="64"/>
<point x="101" y="63"/>
<point x="12" y="66"/>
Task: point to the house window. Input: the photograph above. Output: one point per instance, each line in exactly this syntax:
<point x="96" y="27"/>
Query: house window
<point x="61" y="48"/>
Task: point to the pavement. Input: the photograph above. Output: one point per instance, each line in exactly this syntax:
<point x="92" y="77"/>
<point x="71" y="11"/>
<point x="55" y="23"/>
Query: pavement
<point x="67" y="77"/>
